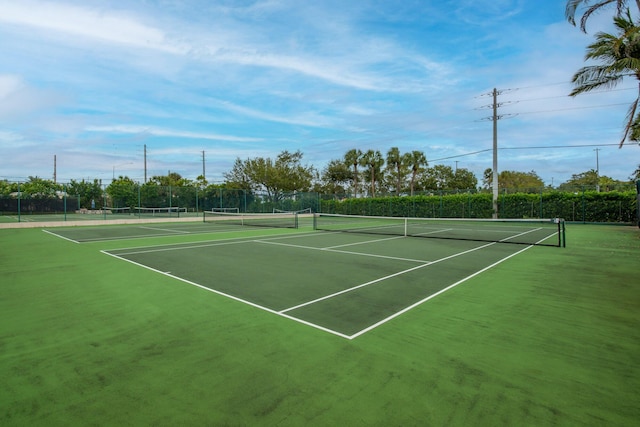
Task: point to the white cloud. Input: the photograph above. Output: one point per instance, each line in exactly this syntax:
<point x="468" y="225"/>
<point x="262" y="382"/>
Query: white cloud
<point x="355" y="64"/>
<point x="18" y="99"/>
<point x="9" y="84"/>
<point x="107" y="26"/>
<point x="303" y="119"/>
<point x="156" y="131"/>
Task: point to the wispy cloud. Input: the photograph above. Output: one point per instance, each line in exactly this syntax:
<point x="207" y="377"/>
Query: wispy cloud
<point x="348" y="67"/>
<point x="104" y="25"/>
<point x="155" y="131"/>
<point x="18" y="99"/>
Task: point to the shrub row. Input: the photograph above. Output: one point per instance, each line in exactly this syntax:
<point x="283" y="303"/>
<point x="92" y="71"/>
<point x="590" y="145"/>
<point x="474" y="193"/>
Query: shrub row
<point x="611" y="206"/>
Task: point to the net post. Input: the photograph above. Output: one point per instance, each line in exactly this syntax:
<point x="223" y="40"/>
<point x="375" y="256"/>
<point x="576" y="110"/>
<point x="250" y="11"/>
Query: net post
<point x="315" y="221"/>
<point x="561" y="232"/>
<point x="406" y="224"/>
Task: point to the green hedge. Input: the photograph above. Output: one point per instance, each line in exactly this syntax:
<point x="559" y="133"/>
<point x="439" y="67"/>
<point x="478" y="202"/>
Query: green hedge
<point x="613" y="206"/>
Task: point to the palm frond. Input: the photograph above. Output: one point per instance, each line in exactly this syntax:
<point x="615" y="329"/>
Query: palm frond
<point x="594" y="77"/>
<point x="631" y="121"/>
<point x="594" y="8"/>
<point x="572" y="6"/>
<point x="570" y="11"/>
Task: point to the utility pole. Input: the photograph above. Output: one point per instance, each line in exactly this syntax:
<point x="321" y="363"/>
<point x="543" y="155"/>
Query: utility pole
<point x="495" y="154"/>
<point x="203" y="175"/>
<point x="55" y="169"/>
<point x="145" y="163"/>
<point x="597" y="170"/>
<point x="494" y="118"/>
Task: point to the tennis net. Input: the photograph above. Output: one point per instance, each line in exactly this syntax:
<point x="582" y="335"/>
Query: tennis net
<point x="228" y="210"/>
<point x="299" y="212"/>
<point x="173" y="211"/>
<point x="272" y="220"/>
<point x="546" y="232"/>
<point x="111" y="210"/>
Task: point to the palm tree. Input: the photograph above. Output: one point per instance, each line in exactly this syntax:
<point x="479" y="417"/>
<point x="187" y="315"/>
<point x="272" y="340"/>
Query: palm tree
<point x="619" y="57"/>
<point x="352" y="158"/>
<point x="395" y="163"/>
<point x="417" y="160"/>
<point x="373" y="161"/>
<point x="591" y="7"/>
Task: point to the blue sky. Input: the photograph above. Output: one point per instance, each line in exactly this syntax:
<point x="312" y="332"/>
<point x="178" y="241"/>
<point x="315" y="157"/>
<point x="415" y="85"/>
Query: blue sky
<point x="94" y="82"/>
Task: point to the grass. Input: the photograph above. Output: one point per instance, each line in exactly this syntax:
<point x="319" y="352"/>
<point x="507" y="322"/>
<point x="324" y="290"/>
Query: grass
<point x="549" y="337"/>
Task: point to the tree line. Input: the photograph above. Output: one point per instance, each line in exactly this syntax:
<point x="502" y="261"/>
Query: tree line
<point x="356" y="174"/>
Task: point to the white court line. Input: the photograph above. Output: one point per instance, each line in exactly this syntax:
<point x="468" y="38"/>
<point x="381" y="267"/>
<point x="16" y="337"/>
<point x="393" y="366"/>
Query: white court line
<point x="313" y="248"/>
<point x="444" y="230"/>
<point x="167" y="248"/>
<point x="521" y="234"/>
<point x="160" y="236"/>
<point x="203" y="244"/>
<point x="166" y="229"/>
<point x="58" y="235"/>
<point x="20" y="219"/>
<point x="393" y="316"/>
<point x="385" y="278"/>
<point x="364" y="243"/>
<point x="322" y="328"/>
<point x="143" y="236"/>
<point x="283" y="313"/>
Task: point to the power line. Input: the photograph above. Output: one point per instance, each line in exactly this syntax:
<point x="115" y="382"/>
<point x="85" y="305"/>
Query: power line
<point x="524" y="148"/>
<point x="558" y="146"/>
<point x="544" y="85"/>
<point x="462" y="155"/>
<point x="565" y="96"/>
<point x="573" y="108"/>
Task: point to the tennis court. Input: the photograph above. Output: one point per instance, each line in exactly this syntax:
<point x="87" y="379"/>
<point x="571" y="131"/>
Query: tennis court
<point x="342" y="283"/>
<point x="111" y="319"/>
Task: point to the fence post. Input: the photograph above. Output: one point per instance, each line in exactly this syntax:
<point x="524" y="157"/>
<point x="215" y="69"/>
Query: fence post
<point x="19" y="200"/>
<point x="584" y="207"/>
<point x="104" y="202"/>
<point x="541" y="208"/>
<point x="64" y="200"/>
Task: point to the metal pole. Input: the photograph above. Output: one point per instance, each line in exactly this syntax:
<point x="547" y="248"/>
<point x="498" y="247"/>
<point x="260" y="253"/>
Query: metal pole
<point x="19" y="199"/>
<point x="495" y="153"/>
<point x="145" y="163"/>
<point x="203" y="175"/>
<point x="597" y="170"/>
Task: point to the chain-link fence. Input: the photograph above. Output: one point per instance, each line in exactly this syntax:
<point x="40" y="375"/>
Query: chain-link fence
<point x="580" y="204"/>
<point x="130" y="200"/>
